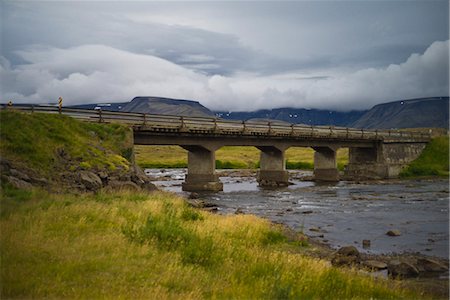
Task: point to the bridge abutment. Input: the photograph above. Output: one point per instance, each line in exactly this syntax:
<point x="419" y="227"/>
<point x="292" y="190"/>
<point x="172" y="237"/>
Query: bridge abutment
<point x="383" y="161"/>
<point x="272" y="172"/>
<point x="325" y="164"/>
<point x="201" y="174"/>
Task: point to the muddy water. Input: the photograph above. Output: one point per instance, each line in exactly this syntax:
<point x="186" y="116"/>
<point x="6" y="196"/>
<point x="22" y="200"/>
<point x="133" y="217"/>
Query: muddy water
<point x="344" y="213"/>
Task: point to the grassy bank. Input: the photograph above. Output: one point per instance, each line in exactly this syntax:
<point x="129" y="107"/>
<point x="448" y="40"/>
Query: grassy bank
<point x="130" y="246"/>
<point x="228" y="157"/>
<point x="43" y="141"/>
<point x="434" y="160"/>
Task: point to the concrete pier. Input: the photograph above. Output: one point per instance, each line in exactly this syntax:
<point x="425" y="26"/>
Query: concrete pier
<point x="201" y="174"/>
<point x="325" y="164"/>
<point x="272" y="172"/>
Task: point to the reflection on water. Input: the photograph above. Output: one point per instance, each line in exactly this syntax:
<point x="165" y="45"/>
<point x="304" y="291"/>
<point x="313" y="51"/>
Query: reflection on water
<point x="344" y="213"/>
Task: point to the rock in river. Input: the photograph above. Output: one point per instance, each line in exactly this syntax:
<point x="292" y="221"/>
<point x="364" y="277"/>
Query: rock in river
<point x="394" y="232"/>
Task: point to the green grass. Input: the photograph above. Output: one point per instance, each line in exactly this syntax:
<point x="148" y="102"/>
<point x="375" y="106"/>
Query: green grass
<point x="236" y="157"/>
<point x="433" y="161"/>
<point x="42" y="141"/>
<point x="128" y="245"/>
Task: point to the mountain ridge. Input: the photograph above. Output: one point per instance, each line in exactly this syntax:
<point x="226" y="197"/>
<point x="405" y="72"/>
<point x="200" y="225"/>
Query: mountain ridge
<point x="410" y="113"/>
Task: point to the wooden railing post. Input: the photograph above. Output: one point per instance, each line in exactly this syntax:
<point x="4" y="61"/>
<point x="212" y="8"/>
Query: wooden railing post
<point x="100" y="117"/>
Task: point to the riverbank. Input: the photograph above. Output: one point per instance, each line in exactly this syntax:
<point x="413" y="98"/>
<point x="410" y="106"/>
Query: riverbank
<point x="343" y="213"/>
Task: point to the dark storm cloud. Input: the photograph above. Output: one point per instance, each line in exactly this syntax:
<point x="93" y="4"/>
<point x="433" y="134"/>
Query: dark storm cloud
<point x="228" y="55"/>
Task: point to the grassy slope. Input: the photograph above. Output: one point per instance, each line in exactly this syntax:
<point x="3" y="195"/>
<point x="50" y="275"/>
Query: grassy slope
<point x="433" y="161"/>
<point x="154" y="246"/>
<point x="227" y="157"/>
<point x="33" y="140"/>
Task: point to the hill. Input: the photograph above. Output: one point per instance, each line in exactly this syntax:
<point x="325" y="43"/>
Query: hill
<point x="166" y="106"/>
<point x="297" y="115"/>
<point x="60" y="153"/>
<point x="415" y="113"/>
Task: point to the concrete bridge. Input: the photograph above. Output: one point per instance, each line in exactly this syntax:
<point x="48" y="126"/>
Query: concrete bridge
<point x="372" y="154"/>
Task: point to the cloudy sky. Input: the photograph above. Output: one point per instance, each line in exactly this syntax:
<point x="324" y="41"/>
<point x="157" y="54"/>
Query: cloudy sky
<point x="233" y="56"/>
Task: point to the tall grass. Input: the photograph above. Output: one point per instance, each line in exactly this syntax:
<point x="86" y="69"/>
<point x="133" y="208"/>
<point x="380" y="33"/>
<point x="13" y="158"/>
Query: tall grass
<point x="126" y="245"/>
<point x="433" y="161"/>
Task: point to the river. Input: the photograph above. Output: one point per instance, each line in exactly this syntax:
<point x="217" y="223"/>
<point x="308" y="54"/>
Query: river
<point x="344" y="213"/>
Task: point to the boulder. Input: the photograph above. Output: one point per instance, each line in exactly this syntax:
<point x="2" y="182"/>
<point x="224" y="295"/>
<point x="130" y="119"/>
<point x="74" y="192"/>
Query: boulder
<point x="138" y="176"/>
<point x="366" y="244"/>
<point x="123" y="185"/>
<point x="375" y="265"/>
<point x="346" y="256"/>
<point x="39" y="181"/>
<point x="430" y="265"/>
<point x="239" y="211"/>
<point x="90" y="180"/>
<point x="348" y="251"/>
<point x="394" y="232"/>
<point x="19" y="183"/>
<point x="314" y="229"/>
<point x="20" y="175"/>
<point x="402" y="269"/>
<point x="194" y="195"/>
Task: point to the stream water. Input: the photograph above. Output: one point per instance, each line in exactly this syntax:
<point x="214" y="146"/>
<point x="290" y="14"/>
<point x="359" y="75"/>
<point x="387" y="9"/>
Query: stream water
<point x="345" y="213"/>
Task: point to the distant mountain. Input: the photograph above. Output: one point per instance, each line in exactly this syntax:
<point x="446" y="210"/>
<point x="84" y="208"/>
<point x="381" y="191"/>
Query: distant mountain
<point x="167" y="106"/>
<point x="297" y="115"/>
<point x="414" y="113"/>
<point x="103" y="106"/>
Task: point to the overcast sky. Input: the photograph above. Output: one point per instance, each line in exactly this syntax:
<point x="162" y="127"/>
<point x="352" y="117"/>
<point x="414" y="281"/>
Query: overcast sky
<point x="232" y="56"/>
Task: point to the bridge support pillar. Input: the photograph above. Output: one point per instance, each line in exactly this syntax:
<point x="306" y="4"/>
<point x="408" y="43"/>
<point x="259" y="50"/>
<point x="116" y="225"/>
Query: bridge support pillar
<point x="325" y="164"/>
<point x="272" y="172"/>
<point x="201" y="174"/>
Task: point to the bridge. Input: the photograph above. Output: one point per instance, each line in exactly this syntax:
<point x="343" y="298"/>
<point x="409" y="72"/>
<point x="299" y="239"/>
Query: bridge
<point x="372" y="153"/>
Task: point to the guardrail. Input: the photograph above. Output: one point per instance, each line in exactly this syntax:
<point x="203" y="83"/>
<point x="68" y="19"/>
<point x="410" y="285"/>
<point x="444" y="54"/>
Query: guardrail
<point x="205" y="125"/>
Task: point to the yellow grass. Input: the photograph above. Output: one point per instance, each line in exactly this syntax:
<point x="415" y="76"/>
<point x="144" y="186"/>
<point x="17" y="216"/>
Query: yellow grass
<point x="243" y="157"/>
<point x="137" y="246"/>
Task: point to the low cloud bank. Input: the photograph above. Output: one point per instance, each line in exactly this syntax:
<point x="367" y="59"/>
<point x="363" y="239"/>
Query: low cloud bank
<point x="98" y="73"/>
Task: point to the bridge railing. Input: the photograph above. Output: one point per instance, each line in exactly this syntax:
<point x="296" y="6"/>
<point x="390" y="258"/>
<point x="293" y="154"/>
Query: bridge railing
<point x="206" y="125"/>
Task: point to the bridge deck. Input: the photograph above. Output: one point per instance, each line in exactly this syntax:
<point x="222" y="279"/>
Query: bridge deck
<point x="213" y="128"/>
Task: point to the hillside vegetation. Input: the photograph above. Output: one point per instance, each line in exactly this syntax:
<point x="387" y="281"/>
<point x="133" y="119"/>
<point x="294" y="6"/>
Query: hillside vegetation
<point x="60" y="153"/>
<point x="434" y="160"/>
<point x="137" y="245"/>
<point x="44" y="141"/>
